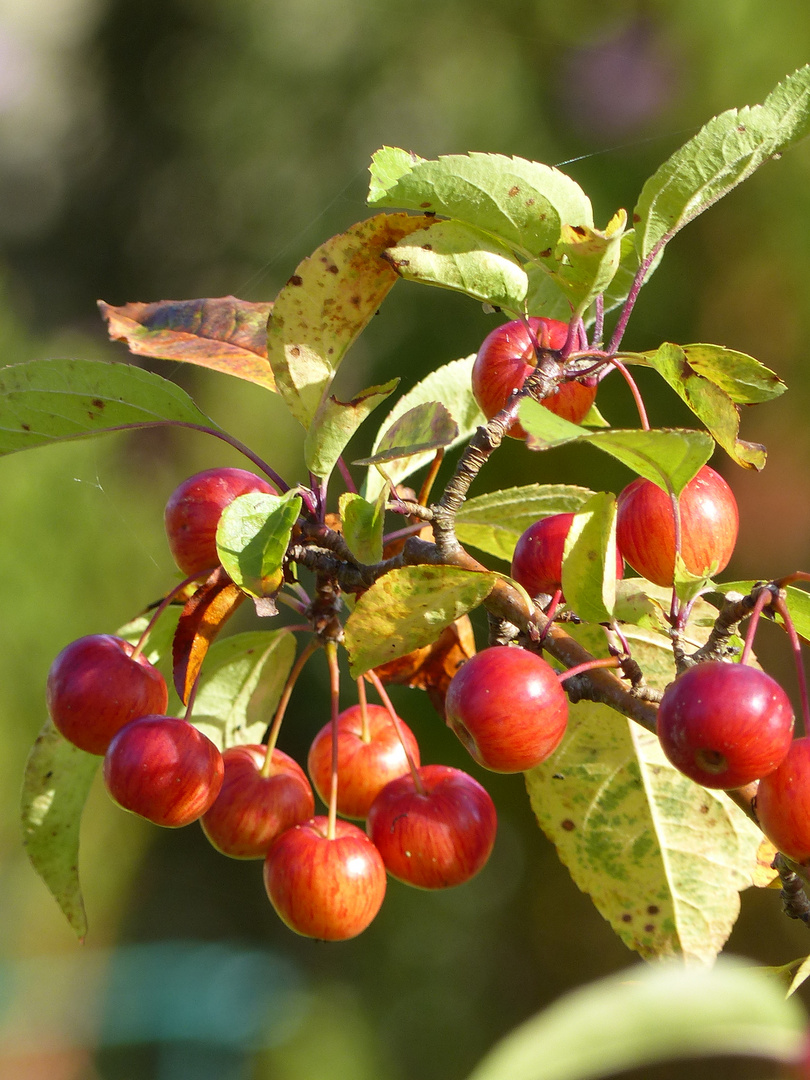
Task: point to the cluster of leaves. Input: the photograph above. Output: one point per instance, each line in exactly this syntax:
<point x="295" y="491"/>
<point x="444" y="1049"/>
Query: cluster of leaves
<point x="662" y="858"/>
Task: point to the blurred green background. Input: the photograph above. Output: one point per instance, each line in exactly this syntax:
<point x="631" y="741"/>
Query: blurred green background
<point x="183" y="148"/>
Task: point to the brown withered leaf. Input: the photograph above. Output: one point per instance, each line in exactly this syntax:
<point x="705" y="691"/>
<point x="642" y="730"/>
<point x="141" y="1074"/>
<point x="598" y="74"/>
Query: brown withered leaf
<point x="432" y="667"/>
<point x="222" y="333"/>
<point x="203" y="617"/>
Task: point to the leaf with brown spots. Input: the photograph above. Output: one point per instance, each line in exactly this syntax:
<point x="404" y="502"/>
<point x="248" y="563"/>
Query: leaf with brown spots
<point x="326" y="304"/>
<point x="431" y="668"/>
<point x="203" y="617"/>
<point x="222" y="333"/>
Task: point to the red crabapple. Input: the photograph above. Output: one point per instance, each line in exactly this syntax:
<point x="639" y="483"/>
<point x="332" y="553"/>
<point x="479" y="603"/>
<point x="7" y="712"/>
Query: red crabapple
<point x="538" y="556"/>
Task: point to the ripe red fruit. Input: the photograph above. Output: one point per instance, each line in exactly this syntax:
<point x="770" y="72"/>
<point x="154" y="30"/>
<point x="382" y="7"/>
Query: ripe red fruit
<point x="163" y="769"/>
<point x="724" y="725"/>
<point x="538" y="556"/>
<point x="783" y="803"/>
<point x="322" y="888"/>
<point x="251" y="810"/>
<point x="95" y="687"/>
<point x="364" y="765"/>
<point x="507" y="358"/>
<point x="438" y="837"/>
<point x="645" y="526"/>
<point x="194" y="509"/>
<point x="508" y="708"/>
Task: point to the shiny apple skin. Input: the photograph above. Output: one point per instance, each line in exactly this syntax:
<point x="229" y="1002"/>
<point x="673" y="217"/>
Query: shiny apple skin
<point x="436" y="839"/>
<point x="163" y="769"/>
<point x="194" y="509"/>
<point x="321" y="888"/>
<point x="363" y="767"/>
<point x="251" y="810"/>
<point x="508" y="708"/>
<point x="645" y="526"/>
<point x="94" y="688"/>
<point x="538" y="556"/>
<point x="504" y="362"/>
<point x="725" y="725"/>
<point x="783" y="803"/>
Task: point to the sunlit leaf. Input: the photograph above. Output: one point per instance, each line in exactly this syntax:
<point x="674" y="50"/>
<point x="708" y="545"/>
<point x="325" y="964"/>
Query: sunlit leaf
<point x="326" y="304"/>
<point x="662" y="858"/>
<point x="522" y="202"/>
<point x="450" y="384"/>
<point x="252" y="539"/>
<point x="589" y="562"/>
<point x="334" y="424"/>
<point x="45" y="401"/>
<point x="241" y="685"/>
<point x="726" y="151"/>
<point x="585" y="260"/>
<point x="638" y="1018"/>
<point x="223" y="333"/>
<point x="363" y="523"/>
<point x="709" y="402"/>
<point x="456" y="256"/>
<point x="407" y="609"/>
<point x="495" y="522"/>
<point x="744" y="379"/>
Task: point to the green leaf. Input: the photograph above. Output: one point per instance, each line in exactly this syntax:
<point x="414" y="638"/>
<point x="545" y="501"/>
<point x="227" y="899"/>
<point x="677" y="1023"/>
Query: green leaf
<point x="744" y="379"/>
<point x="662" y="858"/>
<point x="495" y="522"/>
<point x="55" y="788"/>
<point x="334" y="424"/>
<point x="668" y="457"/>
<point x="708" y="402"/>
<point x="44" y="401"/>
<point x="241" y="685"/>
<point x="409" y="608"/>
<point x="648" y="1015"/>
<point x="589" y="562"/>
<point x="362" y="524"/>
<point x="585" y="260"/>
<point x="451" y="384"/>
<point x="326" y="304"/>
<point x="456" y="256"/>
<point x="521" y="202"/>
<point x="725" y="152"/>
<point x="252" y="538"/>
<point x="425" y="427"/>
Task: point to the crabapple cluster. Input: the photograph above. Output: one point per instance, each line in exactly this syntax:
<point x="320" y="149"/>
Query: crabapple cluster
<point x="430" y="826"/>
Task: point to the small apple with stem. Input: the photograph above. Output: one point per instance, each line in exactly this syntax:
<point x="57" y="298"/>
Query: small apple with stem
<point x="434" y="827"/>
<point x="163" y="769"/>
<point x="99" y="683"/>
<point x="193" y="511"/>
<point x="508" y="708"/>
<point x="257" y="801"/>
<point x="325" y="879"/>
<point x="370" y="752"/>
<point x="646" y="530"/>
<point x="783" y="803"/>
<point x="506" y="359"/>
<point x="725" y="725"/>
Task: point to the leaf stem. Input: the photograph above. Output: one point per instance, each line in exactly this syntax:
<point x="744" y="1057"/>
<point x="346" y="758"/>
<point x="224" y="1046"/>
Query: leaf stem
<point x="334" y="696"/>
<point x="780" y="606"/>
<point x="292" y="679"/>
<point x="376" y="681"/>
<point x="161" y="607"/>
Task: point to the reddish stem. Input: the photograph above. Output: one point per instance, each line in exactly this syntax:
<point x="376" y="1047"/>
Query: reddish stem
<point x="365" y="734"/>
<point x="433" y="471"/>
<point x="286" y="694"/>
<point x="164" y="603"/>
<point x="589" y="665"/>
<point x="634" y="390"/>
<point x="334" y="696"/>
<point x="375" y="680"/>
<point x="764" y="597"/>
<point x="781" y="608"/>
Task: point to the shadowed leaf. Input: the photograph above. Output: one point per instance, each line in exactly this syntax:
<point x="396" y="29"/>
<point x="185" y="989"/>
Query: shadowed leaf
<point x="334" y="424"/>
<point x="425" y="427"/>
<point x="223" y="333"/>
<point x="433" y="666"/>
<point x="252" y="538"/>
<point x="362" y="525"/>
<point x="203" y="617"/>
